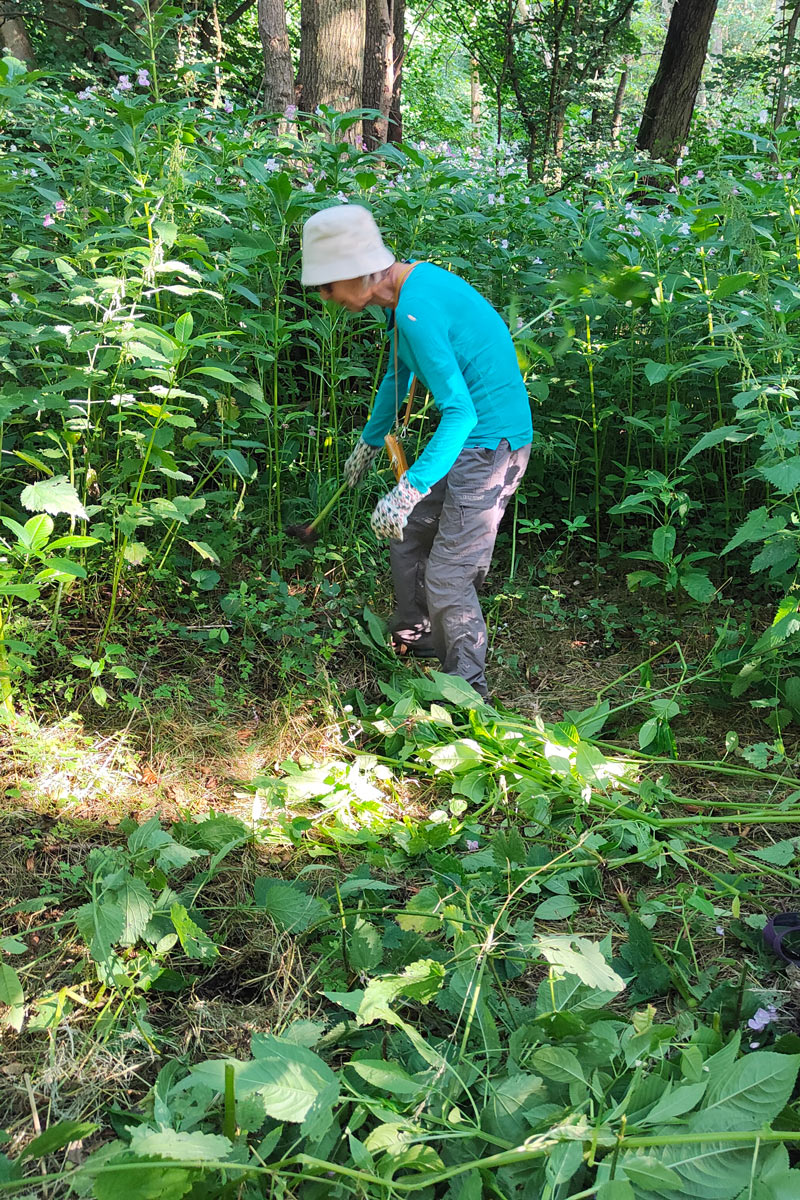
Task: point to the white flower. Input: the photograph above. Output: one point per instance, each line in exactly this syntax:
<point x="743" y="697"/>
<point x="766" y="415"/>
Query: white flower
<point x="504" y="243"/>
<point x="777" y="306"/>
<point x="14" y="298"/>
<point x="537" y="262"/>
<point x="526" y="199"/>
<point x="684" y="229"/>
<point x="490" y="199"/>
<point x="272" y="164"/>
<point x="763" y="117"/>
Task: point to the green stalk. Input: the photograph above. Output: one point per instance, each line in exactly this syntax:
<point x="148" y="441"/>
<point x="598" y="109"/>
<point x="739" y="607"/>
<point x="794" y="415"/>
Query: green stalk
<point x="595" y="437"/>
<point x="229" y="1116"/>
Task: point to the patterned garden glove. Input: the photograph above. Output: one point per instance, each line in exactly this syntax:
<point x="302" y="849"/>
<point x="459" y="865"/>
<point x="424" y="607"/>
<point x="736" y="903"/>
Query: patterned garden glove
<point x="392" y="512"/>
<point x="359" y="462"/>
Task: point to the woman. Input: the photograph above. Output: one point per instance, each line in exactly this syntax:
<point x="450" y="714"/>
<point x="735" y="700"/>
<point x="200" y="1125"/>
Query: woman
<point x="443" y="515"/>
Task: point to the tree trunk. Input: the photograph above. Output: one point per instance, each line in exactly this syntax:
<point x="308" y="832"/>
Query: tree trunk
<point x="474" y="97"/>
<point x="14" y="35"/>
<point x="378" y="70"/>
<point x="395" y="132"/>
<point x="278" y="73"/>
<point x="670" y="102"/>
<point x="785" y="67"/>
<point x="616" y="114"/>
<point x="332" y="56"/>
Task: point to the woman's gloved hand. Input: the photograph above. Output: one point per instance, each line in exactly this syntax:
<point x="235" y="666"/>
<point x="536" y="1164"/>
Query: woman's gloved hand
<point x="359" y="462"/>
<point x="392" y="512"/>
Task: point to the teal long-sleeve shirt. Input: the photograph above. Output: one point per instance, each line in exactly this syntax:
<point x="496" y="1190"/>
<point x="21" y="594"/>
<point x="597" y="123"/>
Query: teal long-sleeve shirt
<point x="461" y="351"/>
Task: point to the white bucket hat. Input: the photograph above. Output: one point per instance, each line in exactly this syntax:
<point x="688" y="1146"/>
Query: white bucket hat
<point x="342" y="243"/>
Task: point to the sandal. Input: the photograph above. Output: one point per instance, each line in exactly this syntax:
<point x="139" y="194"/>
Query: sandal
<point x="777" y="930"/>
<point x="415" y="642"/>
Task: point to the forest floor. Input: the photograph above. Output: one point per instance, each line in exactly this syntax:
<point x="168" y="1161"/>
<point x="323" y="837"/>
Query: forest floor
<point x="69" y="784"/>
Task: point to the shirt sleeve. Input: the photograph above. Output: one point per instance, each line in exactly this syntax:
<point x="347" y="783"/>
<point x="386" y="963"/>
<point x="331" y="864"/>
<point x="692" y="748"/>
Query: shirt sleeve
<point x="388" y="398"/>
<point x="439" y="368"/>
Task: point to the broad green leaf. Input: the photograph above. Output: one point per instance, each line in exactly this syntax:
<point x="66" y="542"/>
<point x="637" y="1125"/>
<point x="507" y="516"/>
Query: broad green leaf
<point x="645" y="1170"/>
<point x="577" y="956"/>
<point x="616" y="1189"/>
<point x="784" y="476"/>
<point x="664" y="542"/>
<point x="419" y="981"/>
<point x="365" y="948"/>
<point x="183" y="328"/>
<point x="699" y="586"/>
<point x="558" y="1064"/>
<point x="758" y="526"/>
<point x="292" y="909"/>
<point x="56" y="495"/>
<point x="656" y="372"/>
<point x="749" y="1094"/>
<point x="136" y="901"/>
<point x="294" y="1083"/>
<point x="11" y="996"/>
<point x="725" y="433"/>
<point x="101" y="925"/>
<point x="57" y="1136"/>
<point x="183" y="1147"/>
<point x="388" y="1076"/>
<point x="423" y="912"/>
<point x="556" y="908"/>
<point x="455" y="757"/>
<point x="195" y="942"/>
<point x="676" y="1102"/>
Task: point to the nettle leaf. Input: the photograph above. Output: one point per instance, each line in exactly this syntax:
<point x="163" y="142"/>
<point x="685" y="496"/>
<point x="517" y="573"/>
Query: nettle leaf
<point x="365" y="948"/>
<point x="195" y="942"/>
<point x="101" y="926"/>
<point x="292" y="909"/>
<point x="135" y="899"/>
<point x="56" y="495"/>
<point x="577" y="956"/>
<point x="757" y="527"/>
<point x="784" y="476"/>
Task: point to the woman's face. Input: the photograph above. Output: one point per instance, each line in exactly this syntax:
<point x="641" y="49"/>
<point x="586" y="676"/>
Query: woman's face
<point x="352" y="294"/>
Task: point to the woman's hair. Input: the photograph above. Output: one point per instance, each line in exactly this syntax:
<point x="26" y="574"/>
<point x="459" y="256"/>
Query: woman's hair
<point x="375" y="277"/>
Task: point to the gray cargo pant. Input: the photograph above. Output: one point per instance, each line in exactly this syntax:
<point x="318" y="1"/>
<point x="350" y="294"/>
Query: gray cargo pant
<point x="445" y="555"/>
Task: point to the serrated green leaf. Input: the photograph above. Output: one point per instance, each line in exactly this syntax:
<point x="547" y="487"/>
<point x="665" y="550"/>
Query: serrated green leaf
<point x="419" y="981"/>
<point x="55" y="495"/>
<point x="578" y="956"/>
<point x="195" y="941"/>
<point x="292" y="909"/>
<point x="749" y="1094"/>
<point x="136" y="902"/>
<point x="365" y="948"/>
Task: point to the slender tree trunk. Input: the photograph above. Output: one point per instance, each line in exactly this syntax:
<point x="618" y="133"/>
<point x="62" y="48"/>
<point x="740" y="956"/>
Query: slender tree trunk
<point x="786" y="63"/>
<point x="616" y="114"/>
<point x="278" y="73"/>
<point x="332" y="56"/>
<point x="670" y="102"/>
<point x="474" y="97"/>
<point x="378" y="84"/>
<point x="395" y="132"/>
<point x="14" y="35"/>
